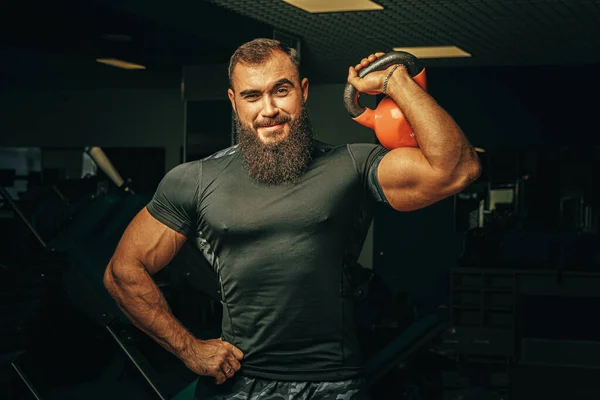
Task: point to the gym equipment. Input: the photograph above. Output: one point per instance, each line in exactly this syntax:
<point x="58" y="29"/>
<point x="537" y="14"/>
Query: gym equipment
<point x="104" y="163"/>
<point x="9" y="200"/>
<point x="90" y="240"/>
<point x="85" y="243"/>
<point x="13" y="360"/>
<point x="388" y="121"/>
<point x="414" y="338"/>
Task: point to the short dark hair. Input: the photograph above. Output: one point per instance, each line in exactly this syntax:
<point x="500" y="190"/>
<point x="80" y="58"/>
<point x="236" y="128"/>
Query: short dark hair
<point x="258" y="51"/>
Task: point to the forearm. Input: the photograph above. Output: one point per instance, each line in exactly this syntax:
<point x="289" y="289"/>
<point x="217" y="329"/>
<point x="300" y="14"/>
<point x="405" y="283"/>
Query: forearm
<point x="142" y="302"/>
<point x="440" y="139"/>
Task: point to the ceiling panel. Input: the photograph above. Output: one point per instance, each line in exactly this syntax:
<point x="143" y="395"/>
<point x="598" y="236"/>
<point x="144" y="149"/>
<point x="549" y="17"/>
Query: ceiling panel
<point x="495" y="32"/>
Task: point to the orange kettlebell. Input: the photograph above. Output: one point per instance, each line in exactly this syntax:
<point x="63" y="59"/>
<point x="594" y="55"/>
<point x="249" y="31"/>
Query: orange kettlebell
<point x="390" y="125"/>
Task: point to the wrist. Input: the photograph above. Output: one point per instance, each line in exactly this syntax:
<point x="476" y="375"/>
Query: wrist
<point x="399" y="85"/>
<point x="386" y="80"/>
<point x="183" y="348"/>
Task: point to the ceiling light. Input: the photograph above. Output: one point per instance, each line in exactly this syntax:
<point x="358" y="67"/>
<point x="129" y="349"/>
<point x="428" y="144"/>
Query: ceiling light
<point x="119" y="63"/>
<point x="320" y="6"/>
<point x="435" y="51"/>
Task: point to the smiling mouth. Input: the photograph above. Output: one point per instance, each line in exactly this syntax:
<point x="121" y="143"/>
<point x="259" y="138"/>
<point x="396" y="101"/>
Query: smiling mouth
<point x="271" y="128"/>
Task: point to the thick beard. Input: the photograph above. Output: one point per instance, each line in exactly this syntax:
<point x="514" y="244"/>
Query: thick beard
<point x="279" y="163"/>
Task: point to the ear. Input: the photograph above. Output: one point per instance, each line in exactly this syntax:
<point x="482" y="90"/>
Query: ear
<point x="304" y="85"/>
<point x="231" y="96"/>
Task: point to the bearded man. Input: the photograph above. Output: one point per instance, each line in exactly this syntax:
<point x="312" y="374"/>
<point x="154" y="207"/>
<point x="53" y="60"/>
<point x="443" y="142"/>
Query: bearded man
<point x="281" y="218"/>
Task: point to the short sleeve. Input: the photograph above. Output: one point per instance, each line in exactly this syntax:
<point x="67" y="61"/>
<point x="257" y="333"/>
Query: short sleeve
<point x="366" y="158"/>
<point x="174" y="202"/>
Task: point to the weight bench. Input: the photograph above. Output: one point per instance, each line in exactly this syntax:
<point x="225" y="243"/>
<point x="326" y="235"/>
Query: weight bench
<point x="413" y="339"/>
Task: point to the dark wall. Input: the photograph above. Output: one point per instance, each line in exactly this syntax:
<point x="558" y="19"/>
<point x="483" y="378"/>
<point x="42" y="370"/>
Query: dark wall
<point x="94" y="117"/>
<point x="533" y="109"/>
<point x="521" y="106"/>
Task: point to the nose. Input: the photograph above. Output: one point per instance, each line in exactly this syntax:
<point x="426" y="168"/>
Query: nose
<point x="269" y="109"/>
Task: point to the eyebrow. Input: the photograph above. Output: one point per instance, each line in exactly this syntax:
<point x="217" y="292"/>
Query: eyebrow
<point x="280" y="82"/>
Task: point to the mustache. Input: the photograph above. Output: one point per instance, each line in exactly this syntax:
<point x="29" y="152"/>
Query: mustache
<point x="280" y="119"/>
<point x="282" y="163"/>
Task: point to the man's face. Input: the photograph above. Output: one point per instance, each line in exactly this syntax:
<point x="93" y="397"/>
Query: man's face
<point x="272" y="124"/>
<point x="268" y="97"/>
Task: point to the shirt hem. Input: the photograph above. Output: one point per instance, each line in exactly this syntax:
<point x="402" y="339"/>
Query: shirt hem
<point x="165" y="220"/>
<point x="338" y="374"/>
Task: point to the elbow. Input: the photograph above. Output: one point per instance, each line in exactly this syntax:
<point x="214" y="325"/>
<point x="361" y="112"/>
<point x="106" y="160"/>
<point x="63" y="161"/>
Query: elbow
<point x="468" y="173"/>
<point x="472" y="171"/>
<point x="122" y="274"/>
<point x="110" y="278"/>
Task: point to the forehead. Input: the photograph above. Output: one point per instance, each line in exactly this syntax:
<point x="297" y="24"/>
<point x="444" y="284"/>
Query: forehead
<point x="261" y="76"/>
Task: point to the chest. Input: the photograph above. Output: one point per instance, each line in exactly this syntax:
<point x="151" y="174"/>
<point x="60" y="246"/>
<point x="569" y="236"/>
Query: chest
<point x="324" y="199"/>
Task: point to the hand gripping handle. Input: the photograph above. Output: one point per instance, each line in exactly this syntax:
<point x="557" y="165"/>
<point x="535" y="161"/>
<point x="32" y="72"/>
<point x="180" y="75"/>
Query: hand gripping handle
<point x="409" y="61"/>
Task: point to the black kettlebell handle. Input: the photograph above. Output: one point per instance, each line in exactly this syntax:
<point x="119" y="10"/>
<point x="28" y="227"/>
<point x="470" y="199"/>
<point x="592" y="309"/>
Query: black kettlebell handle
<point x="409" y="61"/>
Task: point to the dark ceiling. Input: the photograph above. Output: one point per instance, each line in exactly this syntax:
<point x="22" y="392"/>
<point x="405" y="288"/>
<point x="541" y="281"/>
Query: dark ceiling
<point x="49" y="43"/>
<point x="55" y="44"/>
<point x="495" y="32"/>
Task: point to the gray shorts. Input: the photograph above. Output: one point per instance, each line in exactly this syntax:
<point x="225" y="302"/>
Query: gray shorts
<point x="251" y="388"/>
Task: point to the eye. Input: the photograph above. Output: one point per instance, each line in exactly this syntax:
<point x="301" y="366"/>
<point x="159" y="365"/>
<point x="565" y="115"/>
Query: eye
<point x="282" y="91"/>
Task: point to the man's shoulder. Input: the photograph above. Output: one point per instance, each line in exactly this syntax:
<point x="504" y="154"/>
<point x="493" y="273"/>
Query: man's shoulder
<point x="223" y="154"/>
<point x="323" y="148"/>
<point x="186" y="170"/>
<point x="346" y="148"/>
<point x="215" y="164"/>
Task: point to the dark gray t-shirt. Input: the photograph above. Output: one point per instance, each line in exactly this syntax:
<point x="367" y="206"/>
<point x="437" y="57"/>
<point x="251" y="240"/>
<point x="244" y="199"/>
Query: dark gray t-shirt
<point x="282" y="254"/>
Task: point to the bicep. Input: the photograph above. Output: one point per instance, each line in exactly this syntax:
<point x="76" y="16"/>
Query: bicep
<point x="148" y="242"/>
<point x="408" y="180"/>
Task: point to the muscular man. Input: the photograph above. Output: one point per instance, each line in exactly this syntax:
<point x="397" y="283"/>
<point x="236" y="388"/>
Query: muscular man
<point x="281" y="217"/>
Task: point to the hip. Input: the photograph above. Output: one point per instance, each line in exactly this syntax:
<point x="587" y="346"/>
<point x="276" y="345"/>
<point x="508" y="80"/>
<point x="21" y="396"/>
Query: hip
<point x="255" y="388"/>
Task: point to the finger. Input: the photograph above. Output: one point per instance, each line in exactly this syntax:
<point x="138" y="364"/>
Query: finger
<point x="352" y="73"/>
<point x="364" y="62"/>
<point x="372" y="58"/>
<point x="379" y="54"/>
<point x="353" y="78"/>
<point x="237" y="353"/>
<point x="227" y="369"/>
<point x="235" y="364"/>
<point x="220" y="378"/>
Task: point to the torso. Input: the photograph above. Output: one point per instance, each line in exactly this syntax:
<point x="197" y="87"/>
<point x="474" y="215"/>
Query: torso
<point x="280" y="253"/>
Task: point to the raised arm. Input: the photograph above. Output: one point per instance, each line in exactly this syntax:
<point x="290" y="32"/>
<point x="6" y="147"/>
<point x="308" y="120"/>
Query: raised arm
<point x="145" y="248"/>
<point x="445" y="162"/>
